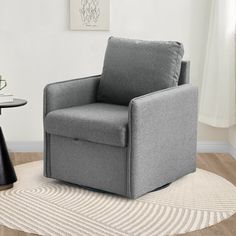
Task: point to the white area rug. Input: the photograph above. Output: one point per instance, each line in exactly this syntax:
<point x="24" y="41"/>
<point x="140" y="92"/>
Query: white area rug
<point x="49" y="207"/>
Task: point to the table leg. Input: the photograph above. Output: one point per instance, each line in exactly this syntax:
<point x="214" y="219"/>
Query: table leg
<point x="7" y="172"/>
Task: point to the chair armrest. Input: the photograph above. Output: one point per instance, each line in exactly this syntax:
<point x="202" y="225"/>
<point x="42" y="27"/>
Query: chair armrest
<point x="66" y="94"/>
<point x="163" y="133"/>
<point x="70" y="93"/>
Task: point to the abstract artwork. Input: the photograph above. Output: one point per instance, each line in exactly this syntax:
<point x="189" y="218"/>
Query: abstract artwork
<point x="89" y="14"/>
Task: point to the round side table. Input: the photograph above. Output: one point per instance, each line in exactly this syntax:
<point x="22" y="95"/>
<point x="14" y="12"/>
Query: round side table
<point x="7" y="172"/>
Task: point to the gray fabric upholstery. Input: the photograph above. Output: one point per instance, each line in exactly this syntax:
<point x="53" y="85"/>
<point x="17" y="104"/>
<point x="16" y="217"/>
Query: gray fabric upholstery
<point x="66" y="94"/>
<point x="133" y="68"/>
<point x="161" y="147"/>
<point x="163" y="133"/>
<point x="184" y="73"/>
<point x="90" y="164"/>
<point x="70" y="93"/>
<point x="95" y="122"/>
<point x="127" y="150"/>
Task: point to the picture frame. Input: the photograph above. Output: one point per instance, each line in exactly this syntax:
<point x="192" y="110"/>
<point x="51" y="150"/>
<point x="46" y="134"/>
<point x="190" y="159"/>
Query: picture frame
<point x="90" y="15"/>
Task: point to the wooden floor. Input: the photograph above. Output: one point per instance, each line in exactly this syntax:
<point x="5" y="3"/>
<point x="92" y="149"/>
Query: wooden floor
<point x="220" y="164"/>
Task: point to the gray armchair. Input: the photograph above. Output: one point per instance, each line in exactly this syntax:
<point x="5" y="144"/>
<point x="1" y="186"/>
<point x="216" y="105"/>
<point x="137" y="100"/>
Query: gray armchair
<point x="127" y="131"/>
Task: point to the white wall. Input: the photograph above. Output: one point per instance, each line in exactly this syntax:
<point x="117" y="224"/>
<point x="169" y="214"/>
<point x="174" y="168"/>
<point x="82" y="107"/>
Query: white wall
<point x="37" y="48"/>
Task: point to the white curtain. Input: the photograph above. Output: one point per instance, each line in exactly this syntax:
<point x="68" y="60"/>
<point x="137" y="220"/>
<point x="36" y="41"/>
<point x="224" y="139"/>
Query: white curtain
<point x="218" y="93"/>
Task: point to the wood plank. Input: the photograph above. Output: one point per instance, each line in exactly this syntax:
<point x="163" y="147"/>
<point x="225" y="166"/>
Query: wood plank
<point x="24" y="157"/>
<point x="220" y="164"/>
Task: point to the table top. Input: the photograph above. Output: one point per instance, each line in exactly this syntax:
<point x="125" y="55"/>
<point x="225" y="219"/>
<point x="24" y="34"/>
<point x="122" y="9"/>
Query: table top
<point x="16" y="103"/>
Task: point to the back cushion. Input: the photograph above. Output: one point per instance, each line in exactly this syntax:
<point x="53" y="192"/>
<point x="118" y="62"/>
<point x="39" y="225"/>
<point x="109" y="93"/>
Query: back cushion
<point x="133" y="68"/>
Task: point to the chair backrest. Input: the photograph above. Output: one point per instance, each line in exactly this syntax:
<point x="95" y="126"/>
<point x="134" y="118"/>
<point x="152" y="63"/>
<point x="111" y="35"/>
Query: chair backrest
<point x="135" y="67"/>
<point x="184" y="73"/>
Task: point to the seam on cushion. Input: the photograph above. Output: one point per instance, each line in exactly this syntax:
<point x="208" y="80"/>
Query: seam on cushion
<point x="85" y="140"/>
<point x="89" y="141"/>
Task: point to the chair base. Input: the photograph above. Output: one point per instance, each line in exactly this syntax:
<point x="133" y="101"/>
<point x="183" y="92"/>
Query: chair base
<point x="102" y="167"/>
<point x="88" y="164"/>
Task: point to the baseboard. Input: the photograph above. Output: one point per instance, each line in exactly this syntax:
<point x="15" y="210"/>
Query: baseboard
<point x="202" y="147"/>
<point x="216" y="147"/>
<point x="212" y="147"/>
<point x="34" y="146"/>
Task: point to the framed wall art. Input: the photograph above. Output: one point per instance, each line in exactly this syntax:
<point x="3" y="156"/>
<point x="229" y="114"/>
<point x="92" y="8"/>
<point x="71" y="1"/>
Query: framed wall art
<point x="89" y="14"/>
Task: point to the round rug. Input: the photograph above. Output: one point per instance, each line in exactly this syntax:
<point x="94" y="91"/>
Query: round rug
<point x="49" y="207"/>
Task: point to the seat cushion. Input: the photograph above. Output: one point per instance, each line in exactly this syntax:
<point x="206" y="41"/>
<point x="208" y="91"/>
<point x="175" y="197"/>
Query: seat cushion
<point x="133" y="68"/>
<point x="96" y="122"/>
